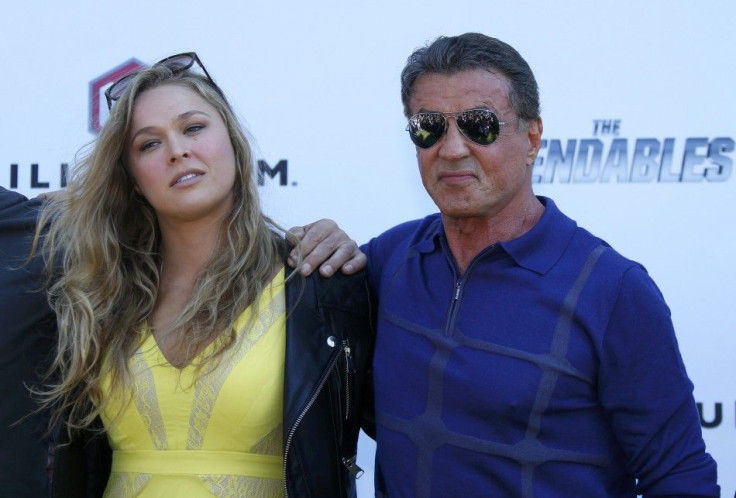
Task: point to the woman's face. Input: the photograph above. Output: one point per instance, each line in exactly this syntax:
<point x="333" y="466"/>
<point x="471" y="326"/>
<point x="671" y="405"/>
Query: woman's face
<point x="180" y="155"/>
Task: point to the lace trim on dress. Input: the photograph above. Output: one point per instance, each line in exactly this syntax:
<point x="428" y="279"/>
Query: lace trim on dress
<point x="208" y="386"/>
<point x="272" y="443"/>
<point x="146" y="401"/>
<point x="239" y="486"/>
<point x="123" y="484"/>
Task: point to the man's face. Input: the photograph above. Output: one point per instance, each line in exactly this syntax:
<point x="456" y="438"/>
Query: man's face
<point x="467" y="180"/>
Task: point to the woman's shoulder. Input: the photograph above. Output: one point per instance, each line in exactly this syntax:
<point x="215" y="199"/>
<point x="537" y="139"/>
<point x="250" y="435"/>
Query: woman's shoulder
<point x="338" y="291"/>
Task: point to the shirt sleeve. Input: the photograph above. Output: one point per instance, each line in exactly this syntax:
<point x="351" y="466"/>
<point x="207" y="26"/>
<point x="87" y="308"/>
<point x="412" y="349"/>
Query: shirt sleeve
<point x="374" y="265"/>
<point x="648" y="397"/>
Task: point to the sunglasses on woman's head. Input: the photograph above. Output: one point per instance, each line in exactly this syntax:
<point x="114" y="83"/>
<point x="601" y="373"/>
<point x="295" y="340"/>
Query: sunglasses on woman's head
<point x="480" y="126"/>
<point x="176" y="63"/>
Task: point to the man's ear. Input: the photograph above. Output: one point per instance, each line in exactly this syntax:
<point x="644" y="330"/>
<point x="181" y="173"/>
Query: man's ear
<point x="534" y="133"/>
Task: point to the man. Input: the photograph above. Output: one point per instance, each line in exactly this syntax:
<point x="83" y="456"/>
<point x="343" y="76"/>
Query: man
<point x="516" y="354"/>
<point x="28" y="335"/>
<point x="26" y="341"/>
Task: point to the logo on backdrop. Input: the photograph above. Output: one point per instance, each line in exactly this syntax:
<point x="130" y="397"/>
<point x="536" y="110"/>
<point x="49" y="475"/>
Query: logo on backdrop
<point x="607" y="157"/>
<point x="98" y="104"/>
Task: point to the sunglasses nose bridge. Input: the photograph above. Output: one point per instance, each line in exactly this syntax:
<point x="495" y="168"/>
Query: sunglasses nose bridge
<point x="452" y="116"/>
<point x="453" y="142"/>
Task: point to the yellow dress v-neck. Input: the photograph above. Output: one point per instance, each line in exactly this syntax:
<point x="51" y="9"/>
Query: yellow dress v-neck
<point x="218" y="433"/>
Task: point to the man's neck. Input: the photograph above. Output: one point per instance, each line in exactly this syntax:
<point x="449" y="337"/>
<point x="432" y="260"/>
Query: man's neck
<point x="467" y="237"/>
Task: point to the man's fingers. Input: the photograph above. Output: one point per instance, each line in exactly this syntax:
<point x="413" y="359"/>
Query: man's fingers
<point x="293" y="236"/>
<point x="354" y="264"/>
<point x="329" y="253"/>
<point x="325" y="246"/>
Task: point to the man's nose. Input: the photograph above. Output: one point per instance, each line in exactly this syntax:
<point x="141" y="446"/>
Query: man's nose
<point x="453" y="145"/>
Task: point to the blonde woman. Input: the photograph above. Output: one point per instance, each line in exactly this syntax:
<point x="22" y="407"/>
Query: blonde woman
<point x="184" y="344"/>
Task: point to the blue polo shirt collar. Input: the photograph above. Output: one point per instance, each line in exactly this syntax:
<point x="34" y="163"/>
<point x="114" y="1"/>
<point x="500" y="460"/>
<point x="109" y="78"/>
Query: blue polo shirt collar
<point x="542" y="246"/>
<point x="537" y="250"/>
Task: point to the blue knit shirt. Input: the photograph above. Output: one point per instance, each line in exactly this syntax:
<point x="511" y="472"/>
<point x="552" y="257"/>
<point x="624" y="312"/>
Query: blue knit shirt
<point x="550" y="368"/>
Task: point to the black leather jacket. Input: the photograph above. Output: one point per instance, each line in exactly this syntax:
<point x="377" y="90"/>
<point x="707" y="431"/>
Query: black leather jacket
<point x="329" y="344"/>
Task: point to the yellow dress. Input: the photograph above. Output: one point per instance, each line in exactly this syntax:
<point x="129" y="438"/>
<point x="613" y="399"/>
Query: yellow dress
<point x="218" y="434"/>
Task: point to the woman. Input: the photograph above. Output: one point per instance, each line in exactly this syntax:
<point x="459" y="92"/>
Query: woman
<point x="212" y="371"/>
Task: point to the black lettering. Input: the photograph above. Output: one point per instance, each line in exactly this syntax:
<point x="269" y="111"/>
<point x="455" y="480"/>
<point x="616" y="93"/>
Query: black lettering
<point x="606" y="127"/>
<point x="64" y="169"/>
<point x="596" y="126"/>
<point x="34" y="178"/>
<point x="616" y="127"/>
<point x="13" y="176"/>
<point x="717" y="419"/>
<point x="280" y="169"/>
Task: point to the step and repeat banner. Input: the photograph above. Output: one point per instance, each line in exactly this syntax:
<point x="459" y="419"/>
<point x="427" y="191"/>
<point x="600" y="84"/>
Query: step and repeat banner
<point x="637" y="100"/>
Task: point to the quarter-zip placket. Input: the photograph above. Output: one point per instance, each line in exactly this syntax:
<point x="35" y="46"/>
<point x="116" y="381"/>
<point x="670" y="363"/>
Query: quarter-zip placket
<point x="453" y="306"/>
<point x="459" y="283"/>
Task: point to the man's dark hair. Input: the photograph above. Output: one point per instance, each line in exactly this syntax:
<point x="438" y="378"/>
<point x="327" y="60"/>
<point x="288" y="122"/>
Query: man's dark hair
<point x="452" y="54"/>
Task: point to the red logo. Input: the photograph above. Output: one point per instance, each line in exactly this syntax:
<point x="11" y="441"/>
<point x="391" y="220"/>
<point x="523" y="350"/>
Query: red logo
<point x="98" y="105"/>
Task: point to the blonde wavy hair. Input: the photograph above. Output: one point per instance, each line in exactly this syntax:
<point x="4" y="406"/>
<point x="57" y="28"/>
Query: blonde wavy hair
<point x="101" y="248"/>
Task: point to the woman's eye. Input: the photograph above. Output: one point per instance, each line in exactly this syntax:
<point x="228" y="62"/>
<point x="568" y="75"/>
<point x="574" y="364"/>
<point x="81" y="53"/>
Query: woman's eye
<point x="194" y="128"/>
<point x="147" y="145"/>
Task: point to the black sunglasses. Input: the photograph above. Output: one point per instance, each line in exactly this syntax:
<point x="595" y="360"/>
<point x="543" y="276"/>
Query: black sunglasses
<point x="176" y="63"/>
<point x="480" y="126"/>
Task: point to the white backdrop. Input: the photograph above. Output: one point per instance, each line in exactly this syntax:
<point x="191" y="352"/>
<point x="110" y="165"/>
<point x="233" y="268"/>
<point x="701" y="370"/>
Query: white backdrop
<point x="316" y="83"/>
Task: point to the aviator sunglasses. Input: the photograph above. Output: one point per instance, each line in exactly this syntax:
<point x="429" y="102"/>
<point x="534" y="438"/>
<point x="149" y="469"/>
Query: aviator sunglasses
<point x="176" y="63"/>
<point x="480" y="126"/>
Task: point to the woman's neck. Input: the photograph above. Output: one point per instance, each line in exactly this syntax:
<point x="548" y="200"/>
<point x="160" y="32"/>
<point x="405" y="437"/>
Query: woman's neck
<point x="185" y="252"/>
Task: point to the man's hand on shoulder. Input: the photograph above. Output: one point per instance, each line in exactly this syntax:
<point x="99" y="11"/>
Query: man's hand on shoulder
<point x="327" y="246"/>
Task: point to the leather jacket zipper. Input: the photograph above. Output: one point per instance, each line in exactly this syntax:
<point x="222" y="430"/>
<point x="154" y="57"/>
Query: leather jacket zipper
<point x="348" y="370"/>
<point x="352" y="467"/>
<point x="349" y="463"/>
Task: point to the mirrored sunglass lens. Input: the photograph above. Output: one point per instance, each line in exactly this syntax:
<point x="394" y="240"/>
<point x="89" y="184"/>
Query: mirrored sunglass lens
<point x="426" y="129"/>
<point x="480" y="126"/>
